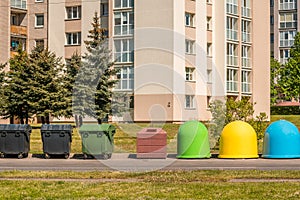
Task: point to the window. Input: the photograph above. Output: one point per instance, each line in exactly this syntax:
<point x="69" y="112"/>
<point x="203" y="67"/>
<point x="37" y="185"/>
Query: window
<point x="232" y="27"/>
<point x="284" y="55"/>
<point x="104" y="9"/>
<point x="246" y="5"/>
<point x="125" y="76"/>
<point x="272" y="3"/>
<point x="73" y="38"/>
<point x="189" y="101"/>
<point x="232" y="58"/>
<point x="189" y="19"/>
<point x="189" y="46"/>
<point x="288" y="20"/>
<point x="232" y="7"/>
<point x="272" y="38"/>
<point x="16" y="42"/>
<point x="246" y="31"/>
<point x="287" y="38"/>
<point x="124" y="23"/>
<point x="39" y="43"/>
<point x="189" y="74"/>
<point x="21" y="4"/>
<point x="272" y="20"/>
<point x="246" y="82"/>
<point x="39" y="1"/>
<point x="209" y="49"/>
<point x="246" y="57"/>
<point x="209" y="24"/>
<point x="39" y="20"/>
<point x="16" y="19"/>
<point x="123" y="50"/>
<point x="73" y="12"/>
<point x="232" y="80"/>
<point x="124" y="4"/>
<point x="288" y="4"/>
<point x="209" y="76"/>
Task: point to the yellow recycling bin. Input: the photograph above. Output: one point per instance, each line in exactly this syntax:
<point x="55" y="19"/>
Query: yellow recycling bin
<point x="238" y="140"/>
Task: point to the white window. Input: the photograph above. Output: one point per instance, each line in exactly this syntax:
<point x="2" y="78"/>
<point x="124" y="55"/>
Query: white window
<point x="39" y="1"/>
<point x="246" y="81"/>
<point x="104" y="9"/>
<point x="124" y="3"/>
<point x="21" y="4"/>
<point x="190" y="46"/>
<point x="288" y="4"/>
<point x="246" y="31"/>
<point x="284" y="55"/>
<point x="189" y="74"/>
<point x="232" y="28"/>
<point x="73" y="12"/>
<point x="246" y="56"/>
<point x="209" y="49"/>
<point x="123" y="50"/>
<point x="246" y="5"/>
<point x="39" y="20"/>
<point x="123" y="23"/>
<point x="232" y="80"/>
<point x="287" y="38"/>
<point x="288" y="20"/>
<point x="232" y="7"/>
<point x="189" y="101"/>
<point x="125" y="76"/>
<point x="189" y="19"/>
<point x="209" y="23"/>
<point x="209" y="76"/>
<point x="232" y="58"/>
<point x="73" y="38"/>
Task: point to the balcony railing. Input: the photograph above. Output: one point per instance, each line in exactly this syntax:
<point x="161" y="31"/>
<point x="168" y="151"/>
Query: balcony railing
<point x="231" y="9"/>
<point x="246" y="62"/>
<point x="286" y="43"/>
<point x="232" y="60"/>
<point x="246" y="12"/>
<point x="232" y="34"/>
<point x="18" y="30"/>
<point x="288" y="24"/>
<point x="246" y="87"/>
<point x="232" y="86"/>
<point x="124" y="30"/>
<point x="288" y="6"/>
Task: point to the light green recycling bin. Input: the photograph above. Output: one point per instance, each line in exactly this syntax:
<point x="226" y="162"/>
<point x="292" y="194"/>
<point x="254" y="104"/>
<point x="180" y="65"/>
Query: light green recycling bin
<point x="97" y="140"/>
<point x="192" y="141"/>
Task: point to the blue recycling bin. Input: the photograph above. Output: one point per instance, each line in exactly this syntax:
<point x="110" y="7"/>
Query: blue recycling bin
<point x="281" y="140"/>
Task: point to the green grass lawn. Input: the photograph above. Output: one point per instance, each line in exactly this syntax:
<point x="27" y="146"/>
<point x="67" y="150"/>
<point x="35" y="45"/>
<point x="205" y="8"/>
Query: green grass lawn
<point x="295" y="119"/>
<point x="213" y="184"/>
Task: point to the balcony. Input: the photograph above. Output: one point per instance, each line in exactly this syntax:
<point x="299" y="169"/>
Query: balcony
<point x="18" y="4"/>
<point x="18" y="30"/>
<point x="246" y="37"/>
<point x="232" y="60"/>
<point x="246" y="62"/>
<point x="246" y="12"/>
<point x="246" y="87"/>
<point x="232" y="86"/>
<point x="288" y="24"/>
<point x="288" y="6"/>
<point x="232" y="34"/>
<point x="286" y="43"/>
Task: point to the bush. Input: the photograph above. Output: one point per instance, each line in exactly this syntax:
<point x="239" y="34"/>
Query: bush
<point x="285" y="110"/>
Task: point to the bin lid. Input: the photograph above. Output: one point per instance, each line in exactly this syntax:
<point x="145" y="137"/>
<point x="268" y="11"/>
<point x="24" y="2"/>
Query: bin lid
<point x="16" y="127"/>
<point x="97" y="128"/>
<point x="56" y="127"/>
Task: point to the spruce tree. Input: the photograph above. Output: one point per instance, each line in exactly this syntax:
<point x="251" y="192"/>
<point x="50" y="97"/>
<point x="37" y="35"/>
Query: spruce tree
<point x="47" y="85"/>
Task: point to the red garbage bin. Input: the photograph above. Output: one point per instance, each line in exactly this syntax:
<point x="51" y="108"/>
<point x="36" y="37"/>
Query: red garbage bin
<point x="152" y="143"/>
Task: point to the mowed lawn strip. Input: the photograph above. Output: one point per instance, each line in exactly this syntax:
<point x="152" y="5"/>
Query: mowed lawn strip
<point x="208" y="184"/>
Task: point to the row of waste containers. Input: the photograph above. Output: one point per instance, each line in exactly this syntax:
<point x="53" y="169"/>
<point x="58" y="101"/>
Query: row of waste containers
<point x="97" y="140"/>
<point x="238" y="140"/>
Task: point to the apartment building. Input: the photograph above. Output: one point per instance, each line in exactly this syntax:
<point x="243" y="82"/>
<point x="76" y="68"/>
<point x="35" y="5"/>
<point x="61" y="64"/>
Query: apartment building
<point x="284" y="26"/>
<point x="174" y="56"/>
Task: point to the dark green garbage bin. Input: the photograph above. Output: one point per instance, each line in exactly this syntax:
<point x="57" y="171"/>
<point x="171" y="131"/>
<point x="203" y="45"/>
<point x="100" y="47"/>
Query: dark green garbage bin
<point x="15" y="139"/>
<point x="56" y="139"/>
<point x="97" y="140"/>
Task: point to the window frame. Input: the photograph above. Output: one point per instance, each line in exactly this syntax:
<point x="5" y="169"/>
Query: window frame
<point x="72" y="34"/>
<point x="36" y="20"/>
<point x="123" y="80"/>
<point x="190" y="102"/>
<point x="71" y="9"/>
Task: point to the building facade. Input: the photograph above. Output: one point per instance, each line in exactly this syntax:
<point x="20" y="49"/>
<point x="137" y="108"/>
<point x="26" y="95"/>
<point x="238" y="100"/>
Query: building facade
<point x="174" y="57"/>
<point x="284" y="26"/>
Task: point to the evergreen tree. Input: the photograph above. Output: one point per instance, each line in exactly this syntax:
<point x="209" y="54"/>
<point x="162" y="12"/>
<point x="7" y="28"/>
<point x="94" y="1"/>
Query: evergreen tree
<point x="97" y="68"/>
<point x="290" y="73"/>
<point x="17" y="89"/>
<point x="47" y="85"/>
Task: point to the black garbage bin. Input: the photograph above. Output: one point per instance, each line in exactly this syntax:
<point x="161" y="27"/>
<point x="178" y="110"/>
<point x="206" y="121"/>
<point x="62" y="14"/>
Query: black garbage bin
<point x="56" y="139"/>
<point x="15" y="139"/>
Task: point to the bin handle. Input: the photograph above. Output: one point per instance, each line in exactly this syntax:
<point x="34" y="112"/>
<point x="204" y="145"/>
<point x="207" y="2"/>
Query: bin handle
<point x="47" y="134"/>
<point x="3" y="134"/>
<point x="99" y="134"/>
<point x="62" y="134"/>
<point x="17" y="134"/>
<point x="85" y="135"/>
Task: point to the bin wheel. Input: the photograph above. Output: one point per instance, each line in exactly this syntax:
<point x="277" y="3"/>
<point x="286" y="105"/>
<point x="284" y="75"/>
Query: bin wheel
<point x="67" y="156"/>
<point x="47" y="156"/>
<point x="25" y="155"/>
<point x="105" y="156"/>
<point x="2" y="155"/>
<point x="109" y="155"/>
<point x="20" y="156"/>
<point x="85" y="156"/>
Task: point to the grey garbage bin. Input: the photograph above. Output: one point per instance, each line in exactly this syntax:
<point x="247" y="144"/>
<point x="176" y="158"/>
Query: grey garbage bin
<point x="15" y="139"/>
<point x="56" y="139"/>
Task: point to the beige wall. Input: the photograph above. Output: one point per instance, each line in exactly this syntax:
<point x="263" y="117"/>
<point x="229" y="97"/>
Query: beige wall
<point x="4" y="31"/>
<point x="261" y="56"/>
